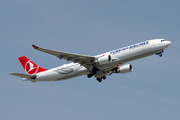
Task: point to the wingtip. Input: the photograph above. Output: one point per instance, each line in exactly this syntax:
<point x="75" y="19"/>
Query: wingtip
<point x="35" y="47"/>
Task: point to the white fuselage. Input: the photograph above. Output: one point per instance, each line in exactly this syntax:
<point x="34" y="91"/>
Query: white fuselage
<point x="119" y="57"/>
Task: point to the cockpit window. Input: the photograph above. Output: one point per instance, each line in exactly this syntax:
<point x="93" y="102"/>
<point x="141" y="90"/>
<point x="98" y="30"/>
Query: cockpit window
<point x="162" y="40"/>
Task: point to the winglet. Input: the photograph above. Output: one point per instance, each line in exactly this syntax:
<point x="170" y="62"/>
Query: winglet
<point x="35" y="47"/>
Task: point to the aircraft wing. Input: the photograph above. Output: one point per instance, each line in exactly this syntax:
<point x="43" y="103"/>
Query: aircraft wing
<point x="81" y="59"/>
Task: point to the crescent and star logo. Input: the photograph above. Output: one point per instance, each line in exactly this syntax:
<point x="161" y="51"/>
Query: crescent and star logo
<point x="31" y="68"/>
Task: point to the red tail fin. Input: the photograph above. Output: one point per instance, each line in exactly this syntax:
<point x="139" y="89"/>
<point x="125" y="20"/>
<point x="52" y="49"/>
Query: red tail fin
<point x="29" y="66"/>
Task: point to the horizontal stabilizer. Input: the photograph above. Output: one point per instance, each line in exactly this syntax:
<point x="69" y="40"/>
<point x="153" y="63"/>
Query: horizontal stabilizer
<point x="24" y="75"/>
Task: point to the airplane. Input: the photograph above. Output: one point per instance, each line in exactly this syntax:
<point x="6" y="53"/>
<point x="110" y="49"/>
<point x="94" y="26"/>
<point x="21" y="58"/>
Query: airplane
<point x="98" y="66"/>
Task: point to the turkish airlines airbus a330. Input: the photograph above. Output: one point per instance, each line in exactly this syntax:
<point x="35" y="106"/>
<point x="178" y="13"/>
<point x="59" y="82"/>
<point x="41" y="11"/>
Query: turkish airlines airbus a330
<point x="98" y="66"/>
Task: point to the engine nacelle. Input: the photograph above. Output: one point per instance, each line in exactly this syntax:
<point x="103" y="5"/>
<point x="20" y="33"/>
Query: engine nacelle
<point x="103" y="60"/>
<point x="125" y="69"/>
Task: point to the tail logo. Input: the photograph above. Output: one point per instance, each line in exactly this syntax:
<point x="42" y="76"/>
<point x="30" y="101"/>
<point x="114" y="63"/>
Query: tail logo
<point x="31" y="68"/>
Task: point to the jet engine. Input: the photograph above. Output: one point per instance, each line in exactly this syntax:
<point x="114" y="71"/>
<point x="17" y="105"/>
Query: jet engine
<point x="103" y="60"/>
<point x="124" y="69"/>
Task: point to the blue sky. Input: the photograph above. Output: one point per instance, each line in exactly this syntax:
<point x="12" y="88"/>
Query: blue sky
<point x="86" y="27"/>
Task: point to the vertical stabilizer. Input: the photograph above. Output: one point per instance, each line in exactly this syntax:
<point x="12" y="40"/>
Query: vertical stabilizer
<point x="29" y="66"/>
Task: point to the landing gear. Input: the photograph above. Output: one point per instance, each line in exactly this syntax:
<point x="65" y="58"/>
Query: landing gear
<point x="160" y="55"/>
<point x="89" y="75"/>
<point x="93" y="72"/>
<point x="104" y="77"/>
<point x="99" y="79"/>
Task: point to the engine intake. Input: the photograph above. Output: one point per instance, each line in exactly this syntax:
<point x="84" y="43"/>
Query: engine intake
<point x="124" y="69"/>
<point x="103" y="60"/>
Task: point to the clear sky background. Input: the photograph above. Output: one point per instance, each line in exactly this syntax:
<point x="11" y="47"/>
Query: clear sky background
<point x="89" y="27"/>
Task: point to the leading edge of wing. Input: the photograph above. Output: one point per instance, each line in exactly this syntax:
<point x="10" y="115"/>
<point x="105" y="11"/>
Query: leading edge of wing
<point x="82" y="59"/>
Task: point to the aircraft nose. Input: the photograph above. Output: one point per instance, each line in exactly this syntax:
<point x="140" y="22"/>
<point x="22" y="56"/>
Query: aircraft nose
<point x="169" y="42"/>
